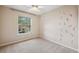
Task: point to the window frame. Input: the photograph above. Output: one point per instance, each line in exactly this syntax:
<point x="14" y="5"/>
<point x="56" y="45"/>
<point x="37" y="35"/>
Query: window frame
<point x="18" y="26"/>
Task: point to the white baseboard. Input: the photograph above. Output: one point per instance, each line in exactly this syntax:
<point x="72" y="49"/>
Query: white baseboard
<point x="15" y="41"/>
<point x="62" y="44"/>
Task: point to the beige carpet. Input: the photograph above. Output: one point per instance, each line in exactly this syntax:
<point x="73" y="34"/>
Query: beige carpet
<point x="36" y="46"/>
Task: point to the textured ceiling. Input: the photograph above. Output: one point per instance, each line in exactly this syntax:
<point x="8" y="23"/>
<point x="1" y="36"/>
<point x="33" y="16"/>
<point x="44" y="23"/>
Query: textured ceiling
<point x="43" y="8"/>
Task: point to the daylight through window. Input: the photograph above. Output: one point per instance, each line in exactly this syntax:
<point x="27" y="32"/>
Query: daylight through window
<point x="24" y="24"/>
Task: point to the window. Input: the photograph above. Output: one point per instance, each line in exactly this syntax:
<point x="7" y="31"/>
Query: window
<point x="24" y="24"/>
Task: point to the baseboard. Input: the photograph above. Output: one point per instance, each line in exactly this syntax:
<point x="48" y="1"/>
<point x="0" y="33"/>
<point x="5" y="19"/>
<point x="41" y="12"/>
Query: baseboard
<point x="16" y="41"/>
<point x="61" y="44"/>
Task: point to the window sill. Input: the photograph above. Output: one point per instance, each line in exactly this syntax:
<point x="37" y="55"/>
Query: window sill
<point x="21" y="34"/>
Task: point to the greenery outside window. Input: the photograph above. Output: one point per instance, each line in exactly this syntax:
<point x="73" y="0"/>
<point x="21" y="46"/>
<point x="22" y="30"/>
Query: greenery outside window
<point x="24" y="24"/>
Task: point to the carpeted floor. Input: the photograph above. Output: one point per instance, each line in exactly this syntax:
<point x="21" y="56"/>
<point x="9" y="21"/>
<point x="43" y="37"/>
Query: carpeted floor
<point x="36" y="46"/>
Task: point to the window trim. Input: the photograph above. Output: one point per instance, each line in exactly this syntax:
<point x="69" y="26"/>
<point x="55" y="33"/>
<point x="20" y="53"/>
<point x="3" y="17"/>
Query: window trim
<point x="30" y="32"/>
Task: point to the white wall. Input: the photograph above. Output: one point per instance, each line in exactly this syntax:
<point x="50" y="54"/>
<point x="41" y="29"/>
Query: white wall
<point x="78" y="28"/>
<point x="9" y="26"/>
<point x="0" y="23"/>
<point x="60" y="26"/>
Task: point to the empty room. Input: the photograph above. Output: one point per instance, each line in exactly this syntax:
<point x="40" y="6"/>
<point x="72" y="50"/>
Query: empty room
<point x="39" y="28"/>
